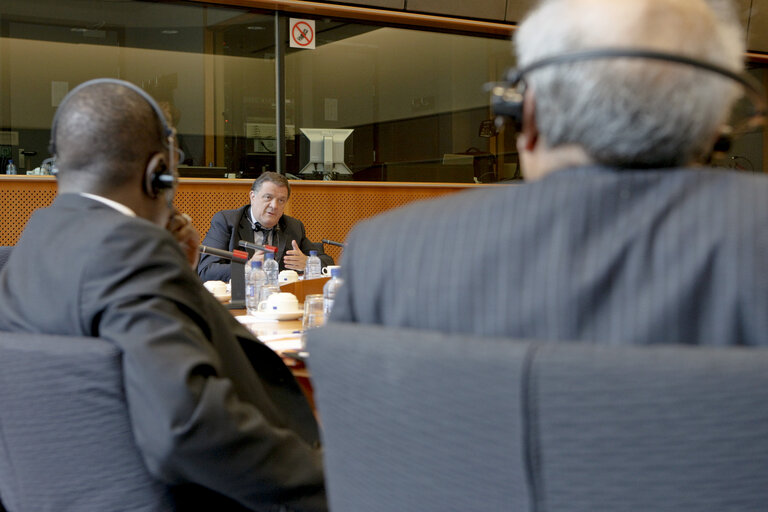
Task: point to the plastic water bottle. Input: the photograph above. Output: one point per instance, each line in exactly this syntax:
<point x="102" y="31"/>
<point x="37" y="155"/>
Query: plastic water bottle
<point x="314" y="268"/>
<point x="10" y="168"/>
<point x="256" y="280"/>
<point x="329" y="291"/>
<point x="271" y="268"/>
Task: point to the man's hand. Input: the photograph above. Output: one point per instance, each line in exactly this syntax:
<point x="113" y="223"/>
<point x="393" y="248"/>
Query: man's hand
<point x="181" y="227"/>
<point x="257" y="256"/>
<point x="294" y="259"/>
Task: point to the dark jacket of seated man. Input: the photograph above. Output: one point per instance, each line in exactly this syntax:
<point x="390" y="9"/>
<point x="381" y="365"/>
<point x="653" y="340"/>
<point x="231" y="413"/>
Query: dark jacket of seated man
<point x="215" y="414"/>
<point x="228" y="227"/>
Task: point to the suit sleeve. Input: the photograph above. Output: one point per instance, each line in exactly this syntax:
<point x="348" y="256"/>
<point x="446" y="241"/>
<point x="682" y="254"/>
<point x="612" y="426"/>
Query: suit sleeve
<point x="213" y="268"/>
<point x="187" y="417"/>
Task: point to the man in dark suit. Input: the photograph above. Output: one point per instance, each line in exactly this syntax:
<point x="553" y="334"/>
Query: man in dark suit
<point x="618" y="236"/>
<point x="215" y="413"/>
<point x="261" y="221"/>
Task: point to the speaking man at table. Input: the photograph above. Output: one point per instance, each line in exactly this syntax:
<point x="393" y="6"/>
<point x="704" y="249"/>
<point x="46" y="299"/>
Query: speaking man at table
<point x="618" y="236"/>
<point x="215" y="414"/>
<point x="261" y="221"/>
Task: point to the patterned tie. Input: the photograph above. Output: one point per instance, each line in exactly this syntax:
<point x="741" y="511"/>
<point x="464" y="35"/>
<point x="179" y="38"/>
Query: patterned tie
<point x="258" y="229"/>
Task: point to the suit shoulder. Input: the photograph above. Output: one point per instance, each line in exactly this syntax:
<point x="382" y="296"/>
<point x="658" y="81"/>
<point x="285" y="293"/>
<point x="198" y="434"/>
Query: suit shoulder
<point x="230" y="215"/>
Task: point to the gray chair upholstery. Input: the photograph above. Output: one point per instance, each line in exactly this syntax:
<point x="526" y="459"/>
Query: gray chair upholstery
<point x="5" y="252"/>
<point x="424" y="421"/>
<point x="65" y="439"/>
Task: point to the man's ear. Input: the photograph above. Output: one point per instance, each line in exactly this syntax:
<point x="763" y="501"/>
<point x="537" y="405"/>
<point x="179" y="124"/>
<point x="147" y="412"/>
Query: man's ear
<point x="156" y="167"/>
<point x="529" y="133"/>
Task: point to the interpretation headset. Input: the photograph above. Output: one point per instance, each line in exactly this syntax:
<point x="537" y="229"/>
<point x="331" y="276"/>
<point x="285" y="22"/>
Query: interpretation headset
<point x="507" y="96"/>
<point x="156" y="180"/>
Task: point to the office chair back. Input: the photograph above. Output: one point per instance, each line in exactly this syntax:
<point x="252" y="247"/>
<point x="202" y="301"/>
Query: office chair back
<point x="417" y="420"/>
<point x="411" y="424"/>
<point x="66" y="442"/>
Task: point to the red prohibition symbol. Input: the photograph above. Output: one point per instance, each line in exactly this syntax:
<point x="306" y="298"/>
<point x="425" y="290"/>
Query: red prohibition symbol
<point x="302" y="33"/>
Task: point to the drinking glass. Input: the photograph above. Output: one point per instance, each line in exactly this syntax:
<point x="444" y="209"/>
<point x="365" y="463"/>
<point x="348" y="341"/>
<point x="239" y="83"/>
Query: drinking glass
<point x="313" y="311"/>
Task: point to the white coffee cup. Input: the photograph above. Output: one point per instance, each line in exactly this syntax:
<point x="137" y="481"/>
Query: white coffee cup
<point x="216" y="287"/>
<point x="327" y="270"/>
<point x="288" y="276"/>
<point x="279" y="303"/>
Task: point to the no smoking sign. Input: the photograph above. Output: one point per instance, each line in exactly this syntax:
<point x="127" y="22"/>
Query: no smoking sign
<point x="302" y="33"/>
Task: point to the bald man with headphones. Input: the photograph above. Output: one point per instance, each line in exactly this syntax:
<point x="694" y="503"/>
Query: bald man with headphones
<point x="216" y="415"/>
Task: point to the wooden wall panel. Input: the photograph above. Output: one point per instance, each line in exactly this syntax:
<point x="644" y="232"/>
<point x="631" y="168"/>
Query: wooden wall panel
<point x="483" y="9"/>
<point x="757" y="33"/>
<point x="387" y="4"/>
<point x="517" y="9"/>
<point x="328" y="209"/>
<point x="19" y="197"/>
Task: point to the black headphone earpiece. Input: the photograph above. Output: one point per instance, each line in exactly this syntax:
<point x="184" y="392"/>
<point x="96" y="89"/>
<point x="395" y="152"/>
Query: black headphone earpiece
<point x="158" y="176"/>
<point x="507" y="96"/>
<point x="507" y="101"/>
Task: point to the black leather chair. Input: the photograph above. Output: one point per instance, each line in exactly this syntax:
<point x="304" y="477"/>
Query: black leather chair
<point x="424" y="421"/>
<point x="66" y="442"/>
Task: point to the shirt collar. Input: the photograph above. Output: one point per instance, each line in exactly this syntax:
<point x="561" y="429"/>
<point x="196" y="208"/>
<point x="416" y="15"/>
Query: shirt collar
<point x="112" y="204"/>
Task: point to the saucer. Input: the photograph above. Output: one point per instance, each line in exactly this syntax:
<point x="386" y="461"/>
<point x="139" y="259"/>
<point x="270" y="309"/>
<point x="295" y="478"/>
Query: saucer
<point x="271" y="316"/>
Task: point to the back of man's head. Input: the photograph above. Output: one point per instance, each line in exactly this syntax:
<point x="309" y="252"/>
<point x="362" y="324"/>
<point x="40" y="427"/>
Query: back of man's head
<point x="104" y="135"/>
<point x="632" y="112"/>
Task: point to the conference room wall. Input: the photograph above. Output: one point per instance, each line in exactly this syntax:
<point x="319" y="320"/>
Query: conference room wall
<point x="328" y="209"/>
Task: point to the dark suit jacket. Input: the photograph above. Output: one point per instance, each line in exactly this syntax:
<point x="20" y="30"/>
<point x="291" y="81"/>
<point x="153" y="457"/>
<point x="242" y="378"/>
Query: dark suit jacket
<point x="228" y="227"/>
<point x="214" y="411"/>
<point x="593" y="254"/>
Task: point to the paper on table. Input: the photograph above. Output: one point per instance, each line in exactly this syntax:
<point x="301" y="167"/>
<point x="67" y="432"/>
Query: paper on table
<point x="284" y="344"/>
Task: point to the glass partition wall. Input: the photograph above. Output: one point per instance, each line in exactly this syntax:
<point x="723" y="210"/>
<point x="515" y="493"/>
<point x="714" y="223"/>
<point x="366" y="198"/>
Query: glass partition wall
<point x="414" y="99"/>
<point x="387" y="103"/>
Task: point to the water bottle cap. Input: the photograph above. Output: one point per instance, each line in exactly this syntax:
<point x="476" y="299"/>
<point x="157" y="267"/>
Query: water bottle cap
<point x="255" y="264"/>
<point x="313" y="253"/>
<point x="269" y="255"/>
<point x="335" y="272"/>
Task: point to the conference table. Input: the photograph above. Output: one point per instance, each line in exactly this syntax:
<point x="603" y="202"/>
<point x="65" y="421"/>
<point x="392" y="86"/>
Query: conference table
<point x="285" y="336"/>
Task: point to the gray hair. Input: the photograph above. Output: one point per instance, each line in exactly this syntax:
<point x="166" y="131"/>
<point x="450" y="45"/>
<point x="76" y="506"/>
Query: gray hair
<point x="632" y="112"/>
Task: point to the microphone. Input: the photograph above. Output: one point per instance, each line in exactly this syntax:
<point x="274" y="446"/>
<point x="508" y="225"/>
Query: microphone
<point x="251" y="245"/>
<point x="331" y="242"/>
<point x="236" y="256"/>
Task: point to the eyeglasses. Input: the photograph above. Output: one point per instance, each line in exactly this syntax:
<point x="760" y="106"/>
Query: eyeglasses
<point x="174" y="150"/>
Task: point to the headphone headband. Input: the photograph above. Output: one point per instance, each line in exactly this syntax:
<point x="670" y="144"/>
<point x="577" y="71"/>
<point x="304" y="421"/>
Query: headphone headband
<point x="167" y="131"/>
<point x="507" y="101"/>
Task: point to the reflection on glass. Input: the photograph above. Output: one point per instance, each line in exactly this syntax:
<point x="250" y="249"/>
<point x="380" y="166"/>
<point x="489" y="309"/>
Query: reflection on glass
<point x="414" y="99"/>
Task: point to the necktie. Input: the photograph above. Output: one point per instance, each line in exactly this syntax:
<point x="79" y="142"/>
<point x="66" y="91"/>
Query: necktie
<point x="263" y="232"/>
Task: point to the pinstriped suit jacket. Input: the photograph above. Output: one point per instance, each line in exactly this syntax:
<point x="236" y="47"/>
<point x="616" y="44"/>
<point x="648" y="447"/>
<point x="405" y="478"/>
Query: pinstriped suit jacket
<point x="592" y="254"/>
